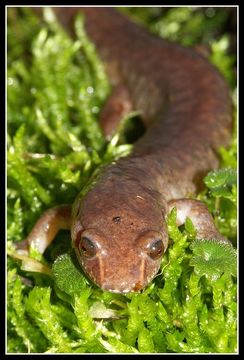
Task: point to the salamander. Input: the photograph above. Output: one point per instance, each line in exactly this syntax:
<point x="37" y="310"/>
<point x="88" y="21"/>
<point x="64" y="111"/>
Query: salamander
<point x="118" y="227"/>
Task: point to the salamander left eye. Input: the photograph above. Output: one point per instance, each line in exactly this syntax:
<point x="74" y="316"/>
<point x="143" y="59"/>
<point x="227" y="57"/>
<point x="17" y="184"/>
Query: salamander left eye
<point x="87" y="247"/>
<point x="156" y="249"/>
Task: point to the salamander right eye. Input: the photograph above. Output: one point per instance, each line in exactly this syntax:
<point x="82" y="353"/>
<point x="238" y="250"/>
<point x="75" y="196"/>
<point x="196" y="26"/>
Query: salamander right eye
<point x="151" y="243"/>
<point x="156" y="249"/>
<point x="87" y="247"/>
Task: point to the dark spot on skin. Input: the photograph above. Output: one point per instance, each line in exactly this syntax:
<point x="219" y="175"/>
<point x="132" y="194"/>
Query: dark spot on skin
<point x="137" y="286"/>
<point x="116" y="219"/>
<point x="131" y="223"/>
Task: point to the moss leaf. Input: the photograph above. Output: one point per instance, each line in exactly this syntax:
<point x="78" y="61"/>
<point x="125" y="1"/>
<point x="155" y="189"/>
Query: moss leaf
<point x="67" y="277"/>
<point x="212" y="258"/>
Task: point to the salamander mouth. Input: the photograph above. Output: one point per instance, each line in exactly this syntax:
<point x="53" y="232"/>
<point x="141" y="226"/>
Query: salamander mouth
<point x="125" y="291"/>
<point x="136" y="287"/>
<point x="121" y="291"/>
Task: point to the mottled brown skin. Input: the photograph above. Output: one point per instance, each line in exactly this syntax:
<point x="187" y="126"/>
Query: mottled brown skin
<point x="186" y="107"/>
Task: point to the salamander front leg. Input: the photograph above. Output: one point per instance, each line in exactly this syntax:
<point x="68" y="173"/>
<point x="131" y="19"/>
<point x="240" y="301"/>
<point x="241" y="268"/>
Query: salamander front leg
<point x="46" y="228"/>
<point x="200" y="217"/>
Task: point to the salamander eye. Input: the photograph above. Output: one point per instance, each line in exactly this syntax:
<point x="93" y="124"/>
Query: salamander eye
<point x="156" y="249"/>
<point x="87" y="247"/>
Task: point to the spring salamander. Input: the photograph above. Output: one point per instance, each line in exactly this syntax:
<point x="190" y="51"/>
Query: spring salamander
<point x="118" y="227"/>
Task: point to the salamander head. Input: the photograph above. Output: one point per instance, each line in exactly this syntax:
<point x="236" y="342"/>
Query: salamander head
<point x="119" y="240"/>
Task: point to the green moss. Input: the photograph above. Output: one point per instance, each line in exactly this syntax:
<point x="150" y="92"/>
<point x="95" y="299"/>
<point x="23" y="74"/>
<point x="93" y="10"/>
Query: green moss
<point x="54" y="146"/>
